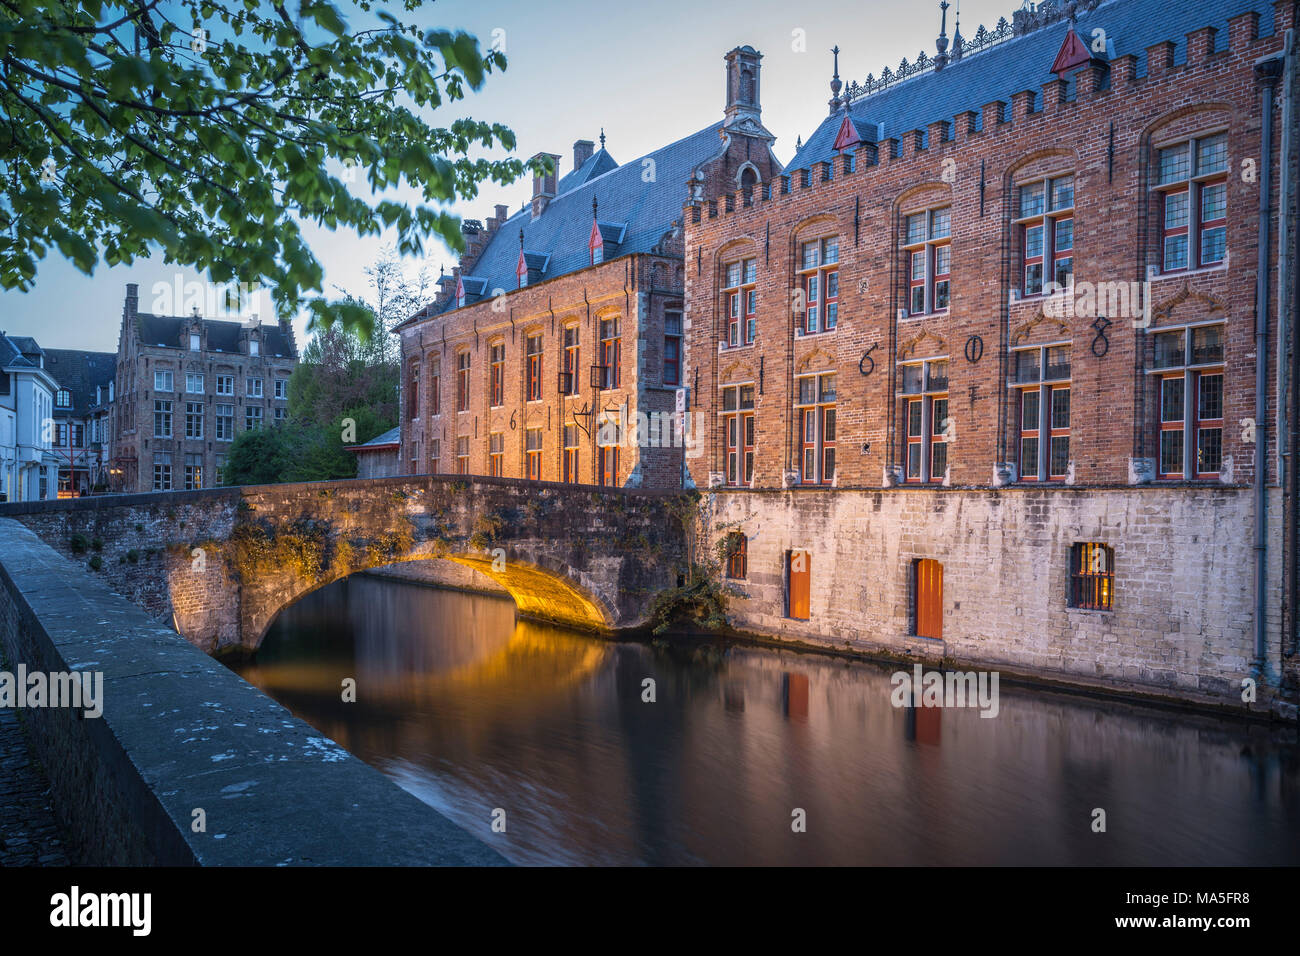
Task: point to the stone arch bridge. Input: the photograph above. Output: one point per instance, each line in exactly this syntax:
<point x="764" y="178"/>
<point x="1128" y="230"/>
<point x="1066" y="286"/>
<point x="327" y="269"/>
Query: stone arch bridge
<point x="220" y="564"/>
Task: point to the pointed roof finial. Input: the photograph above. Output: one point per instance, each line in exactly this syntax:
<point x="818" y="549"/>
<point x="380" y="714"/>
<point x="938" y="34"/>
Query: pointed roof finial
<point x="941" y="44"/>
<point x="521" y="238"/>
<point x="602" y="137"/>
<point x="836" y="85"/>
<point x="958" y="43"/>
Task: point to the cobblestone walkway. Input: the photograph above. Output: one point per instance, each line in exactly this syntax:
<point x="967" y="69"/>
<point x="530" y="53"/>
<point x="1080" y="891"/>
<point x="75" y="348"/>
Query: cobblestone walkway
<point x="29" y="834"/>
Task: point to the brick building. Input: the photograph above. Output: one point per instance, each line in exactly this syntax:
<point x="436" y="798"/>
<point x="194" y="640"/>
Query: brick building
<point x="560" y="332"/>
<point x="184" y="388"/>
<point x="980" y="367"/>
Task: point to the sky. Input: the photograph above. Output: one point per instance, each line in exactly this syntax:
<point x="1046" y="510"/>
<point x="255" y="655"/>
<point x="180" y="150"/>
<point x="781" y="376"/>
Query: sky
<point x="648" y="73"/>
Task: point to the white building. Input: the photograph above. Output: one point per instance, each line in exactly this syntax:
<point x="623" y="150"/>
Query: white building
<point x="29" y="468"/>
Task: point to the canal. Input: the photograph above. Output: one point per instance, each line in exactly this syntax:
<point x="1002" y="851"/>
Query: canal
<point x="482" y="717"/>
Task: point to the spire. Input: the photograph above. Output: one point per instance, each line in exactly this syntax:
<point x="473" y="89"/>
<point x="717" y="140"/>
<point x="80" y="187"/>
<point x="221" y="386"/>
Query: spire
<point x="957" y="42"/>
<point x="836" y="85"/>
<point x="941" y="44"/>
<point x="602" y="137"/>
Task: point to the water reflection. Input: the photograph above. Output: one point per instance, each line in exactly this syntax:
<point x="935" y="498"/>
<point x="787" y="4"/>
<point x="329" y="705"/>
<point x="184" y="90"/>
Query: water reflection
<point x="471" y="711"/>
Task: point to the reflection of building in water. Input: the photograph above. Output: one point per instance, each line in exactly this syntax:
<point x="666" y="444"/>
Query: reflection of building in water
<point x="551" y="726"/>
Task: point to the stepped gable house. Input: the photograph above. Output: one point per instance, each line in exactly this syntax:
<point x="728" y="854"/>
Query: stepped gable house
<point x="185" y="387"/>
<point x="562" y="328"/>
<point x="991" y="370"/>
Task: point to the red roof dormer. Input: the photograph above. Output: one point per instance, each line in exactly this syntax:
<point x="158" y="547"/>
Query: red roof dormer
<point x="1073" y="53"/>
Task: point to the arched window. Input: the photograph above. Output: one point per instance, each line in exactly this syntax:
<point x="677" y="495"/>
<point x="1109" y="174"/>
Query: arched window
<point x="748" y="178"/>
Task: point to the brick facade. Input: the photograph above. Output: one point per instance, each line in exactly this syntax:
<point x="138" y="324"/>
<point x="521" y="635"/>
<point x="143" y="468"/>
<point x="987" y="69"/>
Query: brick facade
<point x="177" y="438"/>
<point x="1104" y="129"/>
<point x="635" y="278"/>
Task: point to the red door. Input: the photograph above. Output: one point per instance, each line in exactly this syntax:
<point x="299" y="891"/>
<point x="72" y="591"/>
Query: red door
<point x="800" y="568"/>
<point x="929" y="598"/>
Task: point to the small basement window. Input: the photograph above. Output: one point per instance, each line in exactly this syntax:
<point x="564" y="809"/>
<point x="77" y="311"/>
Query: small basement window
<point x="1092" y="576"/>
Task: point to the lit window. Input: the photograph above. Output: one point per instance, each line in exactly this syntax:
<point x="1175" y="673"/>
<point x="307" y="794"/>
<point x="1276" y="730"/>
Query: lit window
<point x="1092" y="576"/>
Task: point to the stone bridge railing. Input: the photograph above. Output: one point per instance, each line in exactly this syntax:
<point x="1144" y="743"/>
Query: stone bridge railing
<point x="219" y="564"/>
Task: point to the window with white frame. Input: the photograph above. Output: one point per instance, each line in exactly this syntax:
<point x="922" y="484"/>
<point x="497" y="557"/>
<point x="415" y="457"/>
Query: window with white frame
<point x="815" y="419"/>
<point x="1192" y="183"/>
<point x="194" y="383"/>
<point x="254" y="388"/>
<point x="740" y="300"/>
<point x="925" y="419"/>
<point x="163" y="381"/>
<point x="819" y="284"/>
<point x="1042" y="390"/>
<point x="928" y="256"/>
<point x="738" y="433"/>
<point x="1045" y="227"/>
<point x="1188" y="364"/>
<point x="225" y="385"/>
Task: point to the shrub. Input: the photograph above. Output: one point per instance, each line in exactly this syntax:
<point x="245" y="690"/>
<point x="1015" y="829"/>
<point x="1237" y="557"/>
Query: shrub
<point x="97" y="544"/>
<point x="96" y="562"/>
<point x="133" y="556"/>
<point x="78" y="543"/>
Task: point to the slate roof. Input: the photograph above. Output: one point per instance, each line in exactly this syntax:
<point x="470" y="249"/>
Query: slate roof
<point x="222" y="336"/>
<point x="1023" y="63"/>
<point x="390" y="437"/>
<point x="11" y="355"/>
<point x="631" y="210"/>
<point x="80" y="372"/>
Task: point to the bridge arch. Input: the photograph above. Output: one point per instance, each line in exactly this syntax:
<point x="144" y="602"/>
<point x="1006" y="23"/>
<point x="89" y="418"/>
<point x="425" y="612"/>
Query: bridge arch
<point x="543" y="589"/>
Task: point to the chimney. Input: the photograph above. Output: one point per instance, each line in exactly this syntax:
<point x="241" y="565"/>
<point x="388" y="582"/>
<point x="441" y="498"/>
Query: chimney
<point x="132" y="300"/>
<point x="582" y="151"/>
<point x="544" y="184"/>
<point x="742" y="86"/>
<point x="503" y="213"/>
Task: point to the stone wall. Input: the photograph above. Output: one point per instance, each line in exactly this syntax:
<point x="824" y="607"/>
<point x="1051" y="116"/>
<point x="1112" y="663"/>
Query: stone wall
<point x="180" y="733"/>
<point x="218" y="565"/>
<point x="1183" y="582"/>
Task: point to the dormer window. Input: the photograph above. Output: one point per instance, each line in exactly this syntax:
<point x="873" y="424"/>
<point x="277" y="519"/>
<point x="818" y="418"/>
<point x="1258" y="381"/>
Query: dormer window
<point x="64" y="398"/>
<point x="194" y="341"/>
<point x="596" y="243"/>
<point x="460" y="293"/>
<point x="254" y="347"/>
